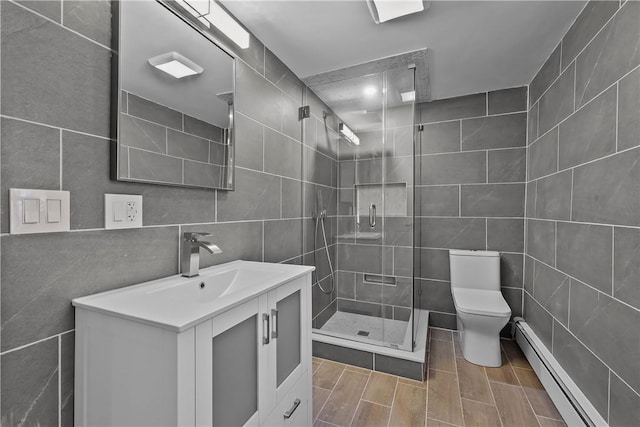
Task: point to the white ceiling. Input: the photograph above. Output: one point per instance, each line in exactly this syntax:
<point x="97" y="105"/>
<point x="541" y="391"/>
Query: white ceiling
<point x="476" y="46"/>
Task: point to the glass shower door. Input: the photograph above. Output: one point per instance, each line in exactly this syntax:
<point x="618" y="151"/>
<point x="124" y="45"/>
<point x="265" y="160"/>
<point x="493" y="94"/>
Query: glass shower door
<point x="375" y="206"/>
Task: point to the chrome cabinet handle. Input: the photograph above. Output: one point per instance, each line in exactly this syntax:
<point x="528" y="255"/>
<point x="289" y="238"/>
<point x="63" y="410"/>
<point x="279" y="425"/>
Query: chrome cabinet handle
<point x="265" y="331"/>
<point x="274" y="316"/>
<point x="291" y="410"/>
<point x="372" y="215"/>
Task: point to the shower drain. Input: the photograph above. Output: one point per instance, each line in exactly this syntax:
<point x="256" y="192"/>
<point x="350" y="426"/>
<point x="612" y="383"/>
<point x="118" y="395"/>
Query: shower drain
<point x="363" y="333"/>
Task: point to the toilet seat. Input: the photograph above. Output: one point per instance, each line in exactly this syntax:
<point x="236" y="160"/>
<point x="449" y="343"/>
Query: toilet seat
<point x="481" y="302"/>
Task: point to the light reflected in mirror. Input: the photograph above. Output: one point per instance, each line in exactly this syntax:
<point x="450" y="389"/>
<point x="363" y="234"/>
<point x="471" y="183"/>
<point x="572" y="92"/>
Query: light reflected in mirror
<point x="175" y="94"/>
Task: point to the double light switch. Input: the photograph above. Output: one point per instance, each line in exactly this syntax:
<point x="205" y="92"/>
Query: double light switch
<point x="38" y="211"/>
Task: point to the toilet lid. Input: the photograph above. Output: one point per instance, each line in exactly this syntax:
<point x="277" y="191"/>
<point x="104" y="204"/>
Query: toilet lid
<point x="487" y="303"/>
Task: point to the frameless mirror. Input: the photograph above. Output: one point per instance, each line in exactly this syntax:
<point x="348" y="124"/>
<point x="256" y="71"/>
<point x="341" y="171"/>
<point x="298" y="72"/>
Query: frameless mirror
<point x="173" y="99"/>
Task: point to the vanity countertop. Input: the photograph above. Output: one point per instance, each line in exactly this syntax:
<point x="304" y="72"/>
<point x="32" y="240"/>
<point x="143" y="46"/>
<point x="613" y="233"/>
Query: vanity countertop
<point x="178" y="303"/>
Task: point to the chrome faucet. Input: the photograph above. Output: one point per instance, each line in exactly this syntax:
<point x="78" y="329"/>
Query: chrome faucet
<point x="190" y="261"/>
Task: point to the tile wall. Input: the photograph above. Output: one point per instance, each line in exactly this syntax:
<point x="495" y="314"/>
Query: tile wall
<point x="471" y="187"/>
<point x="55" y="105"/>
<point x="582" y="268"/>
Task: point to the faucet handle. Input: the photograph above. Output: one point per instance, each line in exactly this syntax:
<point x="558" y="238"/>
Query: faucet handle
<point x="192" y="236"/>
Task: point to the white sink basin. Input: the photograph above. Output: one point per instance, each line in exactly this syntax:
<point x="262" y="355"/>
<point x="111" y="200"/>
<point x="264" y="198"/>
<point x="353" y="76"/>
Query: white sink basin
<point x="178" y="303"/>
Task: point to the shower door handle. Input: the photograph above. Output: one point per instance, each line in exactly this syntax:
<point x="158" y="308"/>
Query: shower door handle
<point x="372" y="215"/>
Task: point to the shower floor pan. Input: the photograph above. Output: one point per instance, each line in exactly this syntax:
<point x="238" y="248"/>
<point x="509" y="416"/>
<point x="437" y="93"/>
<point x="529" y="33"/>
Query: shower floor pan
<point x="339" y="340"/>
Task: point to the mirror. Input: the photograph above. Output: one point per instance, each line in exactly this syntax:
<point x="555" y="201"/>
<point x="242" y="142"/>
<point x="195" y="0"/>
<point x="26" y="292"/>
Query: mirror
<point x="173" y="99"/>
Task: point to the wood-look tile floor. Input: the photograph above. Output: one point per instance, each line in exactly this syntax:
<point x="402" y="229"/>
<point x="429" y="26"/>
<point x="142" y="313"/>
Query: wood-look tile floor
<point x="456" y="392"/>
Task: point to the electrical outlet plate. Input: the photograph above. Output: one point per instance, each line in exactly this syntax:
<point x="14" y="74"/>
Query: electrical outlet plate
<point x="122" y="211"/>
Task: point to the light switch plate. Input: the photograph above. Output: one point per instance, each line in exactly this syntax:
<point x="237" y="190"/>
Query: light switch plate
<point x="38" y="211"/>
<point x="122" y="211"/>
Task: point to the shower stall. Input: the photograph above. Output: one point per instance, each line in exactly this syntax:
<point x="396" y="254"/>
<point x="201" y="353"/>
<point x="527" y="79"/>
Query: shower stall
<point x="364" y="254"/>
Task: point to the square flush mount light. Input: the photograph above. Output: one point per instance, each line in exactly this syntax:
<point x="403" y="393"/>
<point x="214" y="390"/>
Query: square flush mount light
<point x="209" y="12"/>
<point x="408" y="96"/>
<point x="385" y="10"/>
<point x="175" y="65"/>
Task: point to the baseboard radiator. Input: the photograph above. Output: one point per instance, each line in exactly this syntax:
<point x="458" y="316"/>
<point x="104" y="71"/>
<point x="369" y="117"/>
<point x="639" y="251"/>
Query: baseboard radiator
<point x="572" y="404"/>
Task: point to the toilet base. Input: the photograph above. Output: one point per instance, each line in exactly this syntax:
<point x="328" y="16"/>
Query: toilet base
<point x="480" y="348"/>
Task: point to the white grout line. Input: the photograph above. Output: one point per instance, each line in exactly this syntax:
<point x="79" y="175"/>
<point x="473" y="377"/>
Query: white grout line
<point x="59" y="380"/>
<point x="22" y="347"/>
<point x="617" y="111"/>
<point x="455" y="364"/>
<point x="61" y="160"/>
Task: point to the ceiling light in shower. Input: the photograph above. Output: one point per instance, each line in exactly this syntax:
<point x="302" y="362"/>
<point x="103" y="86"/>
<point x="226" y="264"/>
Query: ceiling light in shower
<point x="348" y="134"/>
<point x="208" y="11"/>
<point x="370" y="90"/>
<point x="385" y="10"/>
<point x="408" y="96"/>
<point x="175" y="65"/>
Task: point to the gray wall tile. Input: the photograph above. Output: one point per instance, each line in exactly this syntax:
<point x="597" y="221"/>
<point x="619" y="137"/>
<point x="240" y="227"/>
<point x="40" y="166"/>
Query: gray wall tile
<point x="50" y="8"/>
<point x="556" y="104"/>
<point x="282" y="240"/>
<point x="281" y="76"/>
<point x="400" y="367"/>
<point x="539" y="320"/>
<point x="453" y="233"/>
<point x="89" y="19"/>
<point x="434" y="264"/>
<point x="629" y="111"/>
<point x="291" y="125"/>
<point x="529" y="265"/>
<point x="584" y="251"/>
<point x="203" y="174"/>
<point x="543" y="155"/>
<point x="203" y="129"/>
<point x="625" y="404"/>
<point x="604" y="325"/>
<point x="154" y="112"/>
<point x="346" y="284"/>
<point x="511" y="273"/>
<point x="440" y="137"/>
<point x="291" y="198"/>
<point x="360" y="307"/>
<point x="513" y="297"/>
<point x="505" y="234"/>
<point x="183" y="145"/>
<point x="439" y="200"/>
<point x="541" y="242"/>
<point x="549" y="71"/>
<point x="256" y="196"/>
<point x="30" y="384"/>
<point x="530" y="202"/>
<point x="362" y="258"/>
<point x="591" y="375"/>
<point x="507" y="165"/>
<point x="38" y="84"/>
<point x="532" y="124"/>
<point x="611" y="54"/>
<point x="606" y="191"/>
<point x="282" y="155"/>
<point x="257" y="98"/>
<point x="626" y="265"/>
<point x="493" y="200"/>
<point x="149" y="166"/>
<point x="553" y="196"/>
<point x="142" y="134"/>
<point x="589" y="133"/>
<point x="35" y="297"/>
<point x="509" y="130"/>
<point x="594" y="15"/>
<point x="551" y="289"/>
<point x="318" y="168"/>
<point x="249" y="143"/>
<point x="443" y="320"/>
<point x="508" y="100"/>
<point x="453" y="108"/>
<point x="436" y="296"/>
<point x="455" y="168"/>
<point x="30" y="158"/>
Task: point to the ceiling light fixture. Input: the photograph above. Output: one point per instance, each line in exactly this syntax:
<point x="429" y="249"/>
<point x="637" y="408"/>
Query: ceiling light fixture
<point x="209" y="12"/>
<point x="348" y="134"/>
<point x="385" y="10"/>
<point x="370" y="90"/>
<point x="175" y="65"/>
<point x="408" y="96"/>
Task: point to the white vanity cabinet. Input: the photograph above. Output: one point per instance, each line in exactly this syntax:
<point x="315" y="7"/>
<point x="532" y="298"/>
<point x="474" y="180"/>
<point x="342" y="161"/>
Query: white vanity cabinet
<point x="249" y="363"/>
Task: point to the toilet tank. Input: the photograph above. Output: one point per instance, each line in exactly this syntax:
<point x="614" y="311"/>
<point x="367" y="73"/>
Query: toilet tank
<point x="475" y="269"/>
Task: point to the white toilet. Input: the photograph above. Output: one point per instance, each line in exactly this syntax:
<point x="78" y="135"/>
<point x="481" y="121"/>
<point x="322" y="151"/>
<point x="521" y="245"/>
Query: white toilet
<point x="481" y="309"/>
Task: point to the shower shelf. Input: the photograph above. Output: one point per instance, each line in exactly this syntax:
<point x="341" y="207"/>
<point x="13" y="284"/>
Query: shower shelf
<point x="361" y="235"/>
